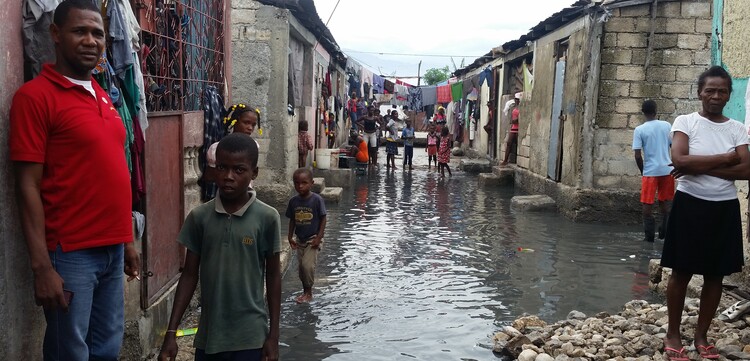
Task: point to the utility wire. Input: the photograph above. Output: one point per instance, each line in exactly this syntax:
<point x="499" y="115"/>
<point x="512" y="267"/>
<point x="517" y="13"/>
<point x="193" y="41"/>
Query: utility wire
<point x="406" y="54"/>
<point x="333" y="11"/>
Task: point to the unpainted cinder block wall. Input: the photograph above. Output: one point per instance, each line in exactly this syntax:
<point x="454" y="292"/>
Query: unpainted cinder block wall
<point x="679" y="51"/>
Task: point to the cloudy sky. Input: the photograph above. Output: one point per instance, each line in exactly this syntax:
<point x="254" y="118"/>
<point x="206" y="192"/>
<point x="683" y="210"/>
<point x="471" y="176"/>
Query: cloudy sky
<point x="463" y="28"/>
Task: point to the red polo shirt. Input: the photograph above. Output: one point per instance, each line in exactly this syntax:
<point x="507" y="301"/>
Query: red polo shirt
<point x="80" y="139"/>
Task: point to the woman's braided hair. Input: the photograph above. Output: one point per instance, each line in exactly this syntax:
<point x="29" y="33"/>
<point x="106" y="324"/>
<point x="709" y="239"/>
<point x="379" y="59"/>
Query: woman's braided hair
<point x="235" y="111"/>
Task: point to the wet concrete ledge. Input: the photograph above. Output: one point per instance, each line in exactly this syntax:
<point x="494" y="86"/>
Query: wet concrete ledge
<point x="584" y="205"/>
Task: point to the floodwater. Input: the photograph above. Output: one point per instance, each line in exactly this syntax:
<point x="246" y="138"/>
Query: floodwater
<point x="419" y="268"/>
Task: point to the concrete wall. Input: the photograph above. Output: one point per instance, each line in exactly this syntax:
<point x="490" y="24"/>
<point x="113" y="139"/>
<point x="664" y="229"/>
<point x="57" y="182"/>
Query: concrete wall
<point x="24" y="321"/>
<point x="735" y="42"/>
<point x="680" y="51"/>
<point x="260" y="40"/>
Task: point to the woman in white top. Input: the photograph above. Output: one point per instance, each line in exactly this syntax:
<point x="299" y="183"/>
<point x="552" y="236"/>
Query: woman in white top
<point x="704" y="231"/>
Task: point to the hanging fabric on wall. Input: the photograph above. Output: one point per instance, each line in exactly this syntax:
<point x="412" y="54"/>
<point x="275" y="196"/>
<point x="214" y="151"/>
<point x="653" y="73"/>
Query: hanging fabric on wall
<point x="486" y="75"/>
<point x="213" y="131"/>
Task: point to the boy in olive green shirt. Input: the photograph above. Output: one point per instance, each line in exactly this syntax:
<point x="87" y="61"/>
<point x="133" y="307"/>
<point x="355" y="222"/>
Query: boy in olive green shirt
<point x="233" y="241"/>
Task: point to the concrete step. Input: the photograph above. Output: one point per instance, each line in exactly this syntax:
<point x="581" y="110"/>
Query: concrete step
<point x="332" y="194"/>
<point x="475" y="166"/>
<point x="499" y="170"/>
<point x="319" y="184"/>
<point x="493" y="180"/>
<point x="533" y="203"/>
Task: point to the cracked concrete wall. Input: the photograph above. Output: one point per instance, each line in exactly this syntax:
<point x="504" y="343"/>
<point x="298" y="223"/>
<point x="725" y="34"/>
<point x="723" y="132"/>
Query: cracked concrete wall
<point x="17" y="308"/>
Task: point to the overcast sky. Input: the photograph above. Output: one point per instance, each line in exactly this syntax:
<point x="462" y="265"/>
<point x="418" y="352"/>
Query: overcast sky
<point x="465" y="28"/>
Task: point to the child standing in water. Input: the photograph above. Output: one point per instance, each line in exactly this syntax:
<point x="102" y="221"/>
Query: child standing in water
<point x="444" y="153"/>
<point x="407" y="134"/>
<point x="304" y="144"/>
<point x="432" y="144"/>
<point x="391" y="147"/>
<point x="307" y="223"/>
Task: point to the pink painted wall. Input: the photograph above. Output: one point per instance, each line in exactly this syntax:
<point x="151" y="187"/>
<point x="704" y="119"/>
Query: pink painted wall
<point x="17" y="309"/>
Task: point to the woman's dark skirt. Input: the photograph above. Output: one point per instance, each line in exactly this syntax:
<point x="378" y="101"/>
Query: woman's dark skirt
<point x="703" y="237"/>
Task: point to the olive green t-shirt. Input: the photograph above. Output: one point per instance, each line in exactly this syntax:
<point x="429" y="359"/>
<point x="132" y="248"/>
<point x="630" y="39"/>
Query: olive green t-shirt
<point x="233" y="249"/>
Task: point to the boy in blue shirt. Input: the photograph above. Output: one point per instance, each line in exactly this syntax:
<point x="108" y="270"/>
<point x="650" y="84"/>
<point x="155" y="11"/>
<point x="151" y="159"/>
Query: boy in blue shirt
<point x="232" y="242"/>
<point x="407" y="134"/>
<point x="651" y="144"/>
<point x="307" y="221"/>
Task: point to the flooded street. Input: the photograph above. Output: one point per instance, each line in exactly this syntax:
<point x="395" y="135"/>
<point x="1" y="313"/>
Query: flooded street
<point x="419" y="268"/>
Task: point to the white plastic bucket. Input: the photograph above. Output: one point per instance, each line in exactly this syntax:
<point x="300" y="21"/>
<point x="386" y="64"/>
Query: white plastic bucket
<point x="323" y="158"/>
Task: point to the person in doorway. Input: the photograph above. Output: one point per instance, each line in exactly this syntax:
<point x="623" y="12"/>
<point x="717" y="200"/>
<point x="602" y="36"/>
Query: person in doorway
<point x="371" y="125"/>
<point x="407" y="134"/>
<point x="391" y="144"/>
<point x="232" y="242"/>
<point x="444" y="153"/>
<point x="512" y="138"/>
<point x="432" y="147"/>
<point x="704" y="228"/>
<point x="67" y="142"/>
<point x="652" y="140"/>
<point x="304" y="143"/>
<point x="307" y="224"/>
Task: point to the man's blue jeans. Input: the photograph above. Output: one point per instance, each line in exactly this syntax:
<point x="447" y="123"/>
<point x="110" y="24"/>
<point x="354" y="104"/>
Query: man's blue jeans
<point x="92" y="329"/>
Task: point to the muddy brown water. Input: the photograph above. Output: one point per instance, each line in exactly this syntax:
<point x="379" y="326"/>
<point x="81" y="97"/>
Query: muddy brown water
<point x="415" y="267"/>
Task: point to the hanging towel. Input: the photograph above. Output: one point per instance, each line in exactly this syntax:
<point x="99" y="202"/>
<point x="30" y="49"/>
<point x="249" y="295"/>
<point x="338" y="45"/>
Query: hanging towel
<point x="429" y="95"/>
<point x="457" y="90"/>
<point x="473" y="95"/>
<point x="444" y="94"/>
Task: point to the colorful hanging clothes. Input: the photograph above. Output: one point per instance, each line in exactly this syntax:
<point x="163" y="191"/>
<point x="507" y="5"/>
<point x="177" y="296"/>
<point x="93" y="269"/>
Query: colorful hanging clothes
<point x="415" y="98"/>
<point x="444" y="93"/>
<point x="486" y="74"/>
<point x="457" y="90"/>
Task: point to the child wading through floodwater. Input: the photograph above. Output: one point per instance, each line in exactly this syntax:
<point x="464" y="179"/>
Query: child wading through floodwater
<point x="391" y="146"/>
<point x="432" y="144"/>
<point x="444" y="153"/>
<point x="307" y="222"/>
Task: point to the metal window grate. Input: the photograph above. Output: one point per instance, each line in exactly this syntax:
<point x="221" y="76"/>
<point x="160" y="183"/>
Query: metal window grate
<point x="182" y="52"/>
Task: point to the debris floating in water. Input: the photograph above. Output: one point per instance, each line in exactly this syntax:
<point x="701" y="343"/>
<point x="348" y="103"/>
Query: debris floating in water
<point x="521" y="249"/>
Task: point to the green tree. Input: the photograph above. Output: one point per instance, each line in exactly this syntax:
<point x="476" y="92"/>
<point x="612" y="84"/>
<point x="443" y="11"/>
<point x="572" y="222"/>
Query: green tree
<point x="436" y="75"/>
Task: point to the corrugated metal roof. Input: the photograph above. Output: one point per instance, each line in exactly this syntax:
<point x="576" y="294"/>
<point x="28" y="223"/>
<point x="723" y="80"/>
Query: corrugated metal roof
<point x="555" y="21"/>
<point x="305" y="12"/>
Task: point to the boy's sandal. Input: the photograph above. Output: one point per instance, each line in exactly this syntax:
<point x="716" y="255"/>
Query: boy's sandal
<point x="705" y="351"/>
<point x="675" y="354"/>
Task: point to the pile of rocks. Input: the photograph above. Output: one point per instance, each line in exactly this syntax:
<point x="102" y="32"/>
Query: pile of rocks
<point x="635" y="334"/>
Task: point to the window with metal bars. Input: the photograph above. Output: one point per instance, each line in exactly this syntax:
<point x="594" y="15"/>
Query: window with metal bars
<point x="182" y="51"/>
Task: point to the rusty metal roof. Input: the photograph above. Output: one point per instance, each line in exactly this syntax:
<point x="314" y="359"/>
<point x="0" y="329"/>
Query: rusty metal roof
<point x="305" y="12"/>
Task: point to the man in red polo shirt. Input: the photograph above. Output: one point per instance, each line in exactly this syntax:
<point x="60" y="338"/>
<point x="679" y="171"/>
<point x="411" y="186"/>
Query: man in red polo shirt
<point x="67" y="143"/>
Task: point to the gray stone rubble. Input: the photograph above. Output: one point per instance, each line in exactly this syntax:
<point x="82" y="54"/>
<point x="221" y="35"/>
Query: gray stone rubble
<point x="635" y="334"/>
